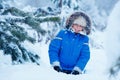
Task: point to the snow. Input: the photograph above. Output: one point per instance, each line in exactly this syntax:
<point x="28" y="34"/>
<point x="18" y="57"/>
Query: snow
<point x="113" y="37"/>
<point x="27" y="3"/>
<point x="96" y="68"/>
<point x="5" y="59"/>
<point x="45" y="71"/>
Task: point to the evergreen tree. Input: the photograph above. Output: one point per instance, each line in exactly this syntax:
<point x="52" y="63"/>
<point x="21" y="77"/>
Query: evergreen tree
<point x="14" y="26"/>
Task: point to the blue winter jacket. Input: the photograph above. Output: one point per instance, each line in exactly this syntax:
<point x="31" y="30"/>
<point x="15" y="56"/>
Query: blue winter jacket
<point x="70" y="50"/>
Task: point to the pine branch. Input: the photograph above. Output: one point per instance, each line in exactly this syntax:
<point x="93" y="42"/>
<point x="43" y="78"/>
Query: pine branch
<point x="41" y="12"/>
<point x="14" y="11"/>
<point x="51" y="19"/>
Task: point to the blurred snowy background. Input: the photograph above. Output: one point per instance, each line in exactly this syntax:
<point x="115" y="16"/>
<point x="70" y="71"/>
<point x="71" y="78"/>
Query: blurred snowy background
<point x="27" y="26"/>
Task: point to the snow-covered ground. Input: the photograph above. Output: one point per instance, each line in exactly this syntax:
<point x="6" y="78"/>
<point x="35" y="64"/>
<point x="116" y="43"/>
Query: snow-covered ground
<point x="95" y="69"/>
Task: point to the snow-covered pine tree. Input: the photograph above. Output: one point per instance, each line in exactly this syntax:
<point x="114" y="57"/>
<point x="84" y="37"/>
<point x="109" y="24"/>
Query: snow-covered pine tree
<point x="14" y="27"/>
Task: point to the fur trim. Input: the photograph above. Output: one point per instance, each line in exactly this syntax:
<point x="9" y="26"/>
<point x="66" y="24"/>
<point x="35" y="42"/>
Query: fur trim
<point x="81" y="32"/>
<point x="80" y="21"/>
<point x="75" y="16"/>
<point x="56" y="63"/>
<point x="77" y="69"/>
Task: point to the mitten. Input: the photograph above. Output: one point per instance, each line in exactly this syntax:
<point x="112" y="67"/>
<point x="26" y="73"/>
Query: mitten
<point x="57" y="68"/>
<point x="75" y="72"/>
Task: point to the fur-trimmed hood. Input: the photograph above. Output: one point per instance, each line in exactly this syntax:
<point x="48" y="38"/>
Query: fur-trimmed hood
<point x="75" y="16"/>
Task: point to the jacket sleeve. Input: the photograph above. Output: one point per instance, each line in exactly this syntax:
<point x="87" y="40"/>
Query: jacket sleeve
<point x="54" y="48"/>
<point x="84" y="55"/>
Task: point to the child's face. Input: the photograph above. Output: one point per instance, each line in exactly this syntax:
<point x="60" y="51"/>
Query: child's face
<point x="77" y="28"/>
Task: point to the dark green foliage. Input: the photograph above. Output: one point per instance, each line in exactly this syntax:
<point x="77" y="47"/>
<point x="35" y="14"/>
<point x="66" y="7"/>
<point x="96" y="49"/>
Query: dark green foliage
<point x="53" y="19"/>
<point x="31" y="21"/>
<point x="41" y="12"/>
<point x="20" y="35"/>
<point x="34" y="25"/>
<point x="1" y="7"/>
<point x="15" y="11"/>
<point x="32" y="40"/>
